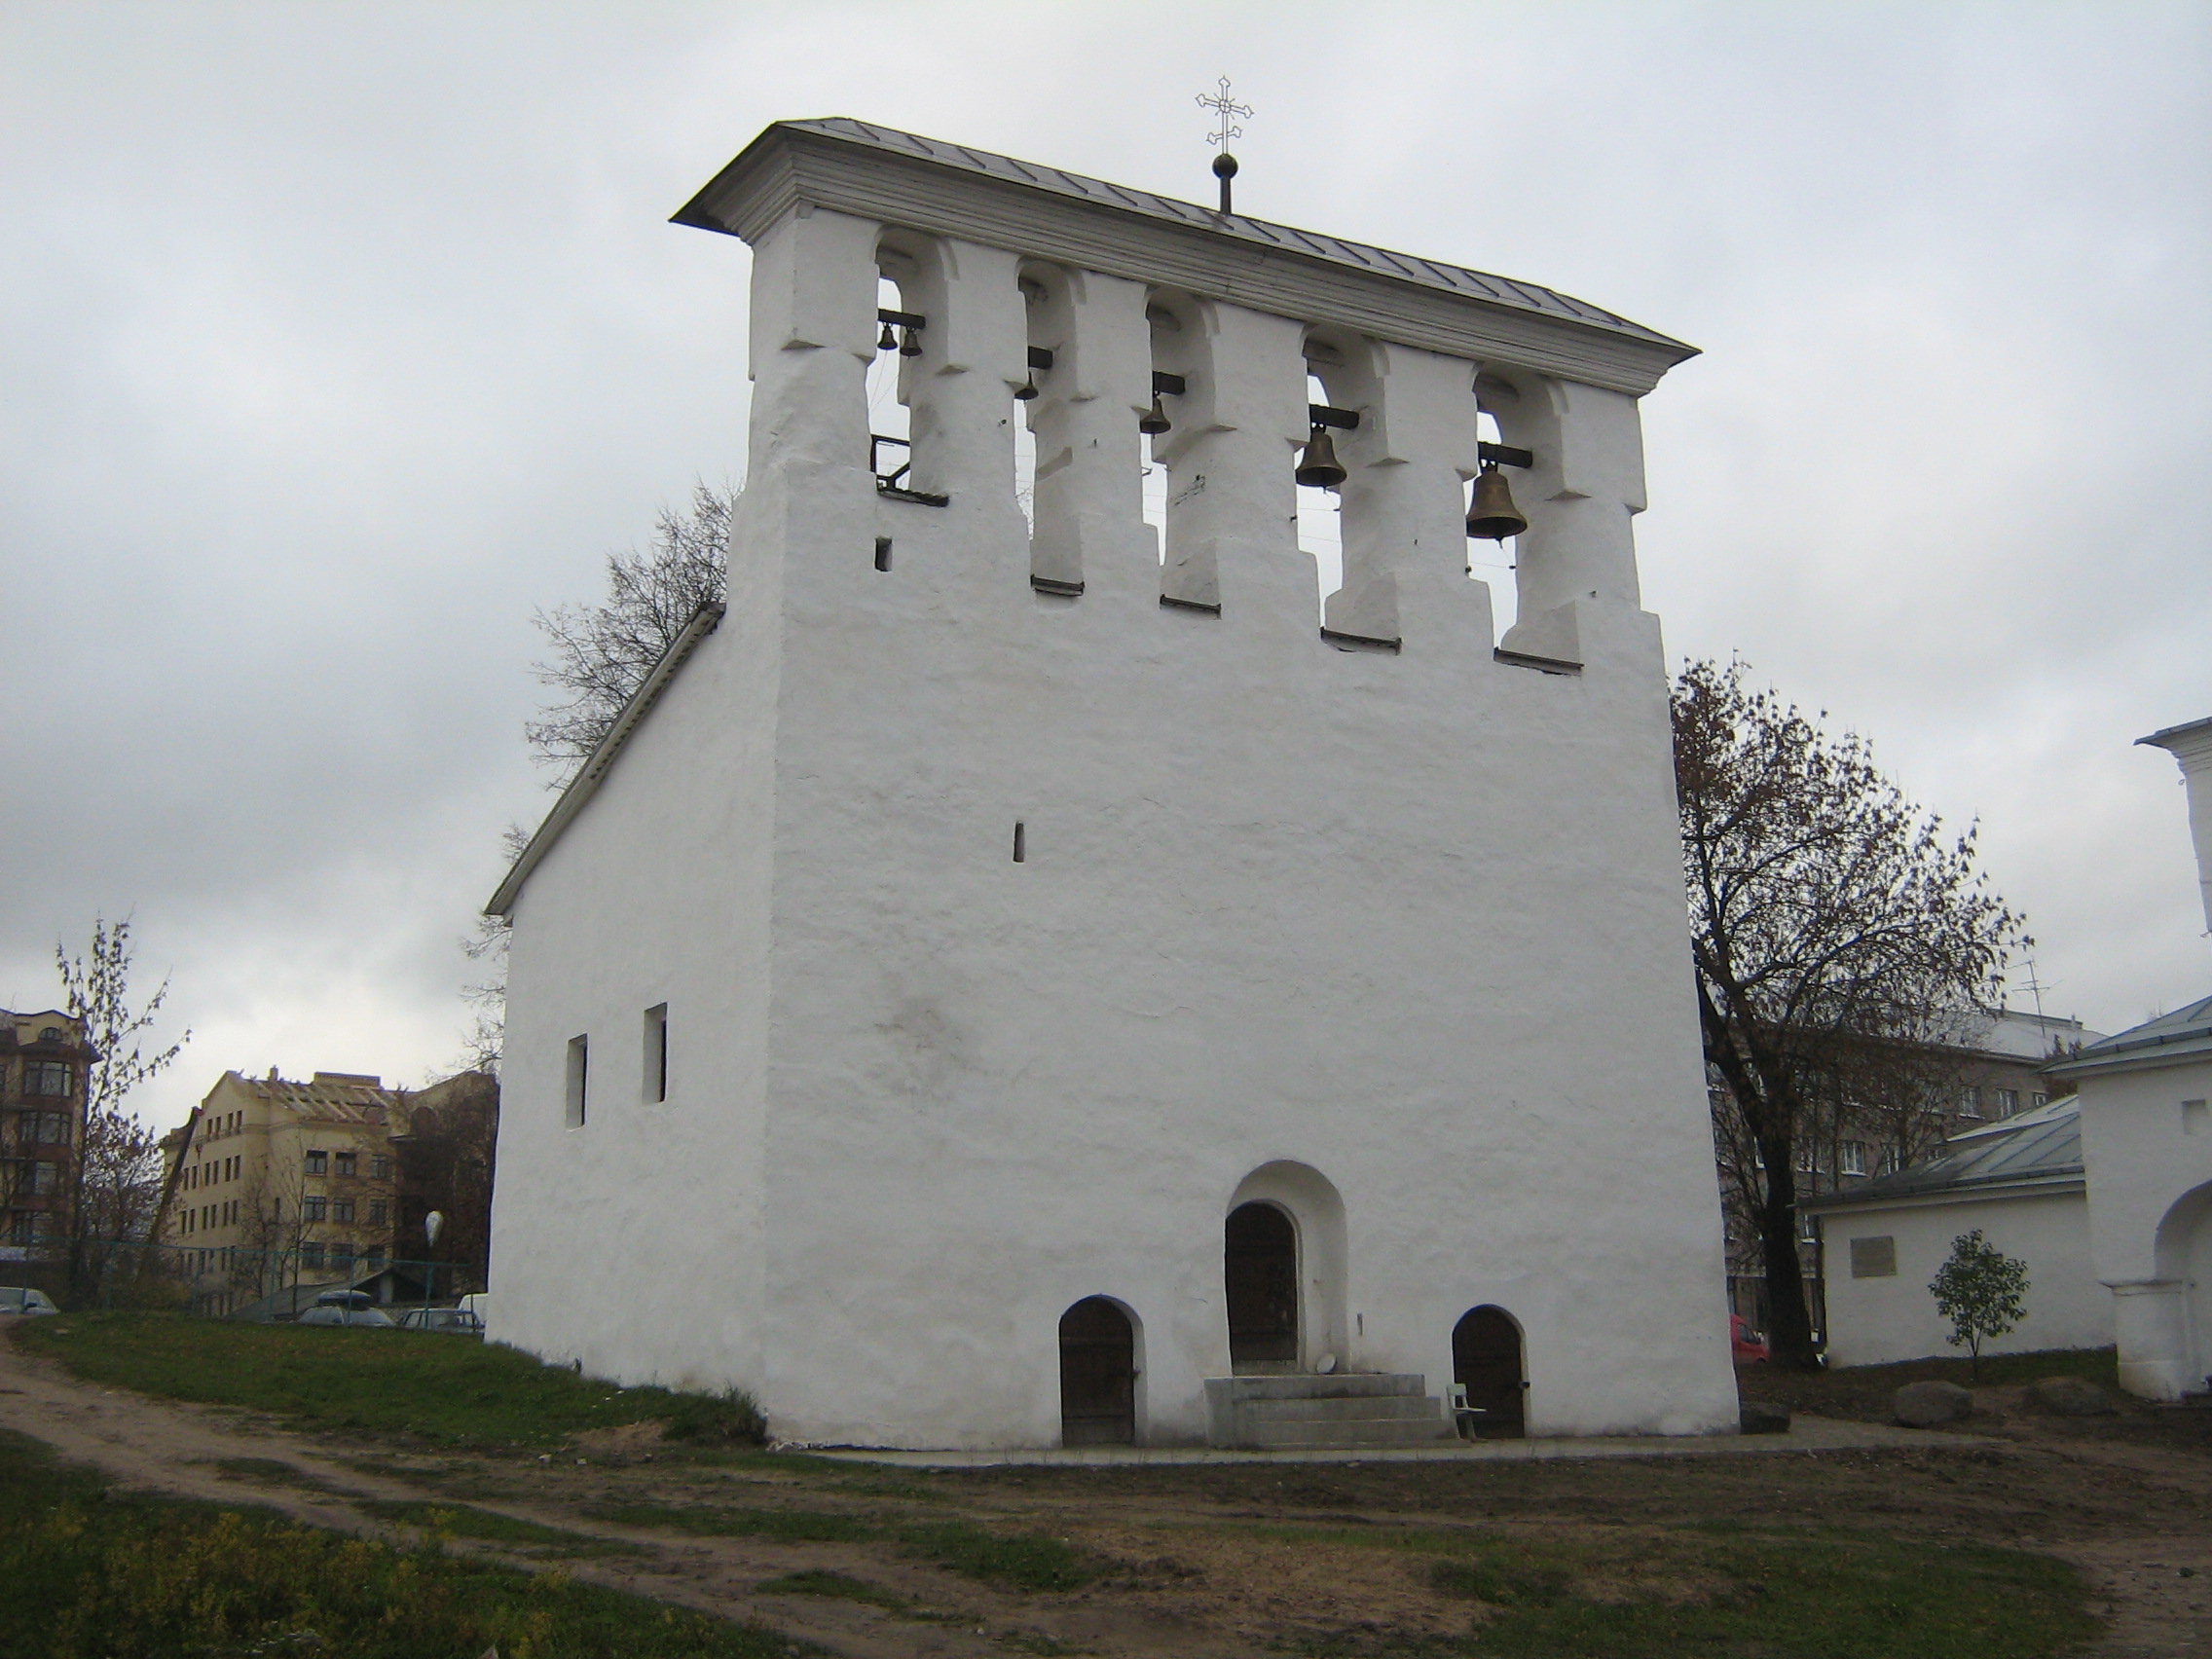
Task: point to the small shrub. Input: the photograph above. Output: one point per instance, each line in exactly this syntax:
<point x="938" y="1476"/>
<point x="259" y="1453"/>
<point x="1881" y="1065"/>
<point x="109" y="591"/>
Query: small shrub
<point x="731" y="1418"/>
<point x="1981" y="1291"/>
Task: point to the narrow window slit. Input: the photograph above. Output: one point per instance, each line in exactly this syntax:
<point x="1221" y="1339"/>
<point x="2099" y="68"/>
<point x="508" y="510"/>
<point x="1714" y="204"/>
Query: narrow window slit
<point x="1020" y="843"/>
<point x="883" y="552"/>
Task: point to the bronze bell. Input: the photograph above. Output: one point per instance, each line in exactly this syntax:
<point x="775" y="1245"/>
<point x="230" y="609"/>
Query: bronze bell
<point x="1493" y="516"/>
<point x="1027" y="390"/>
<point x="1319" y="467"/>
<point x="909" y="345"/>
<point x="888" y="342"/>
<point x="1154" y="421"/>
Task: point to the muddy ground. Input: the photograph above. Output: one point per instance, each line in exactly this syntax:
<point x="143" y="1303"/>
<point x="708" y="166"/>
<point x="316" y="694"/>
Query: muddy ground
<point x="2126" y="1498"/>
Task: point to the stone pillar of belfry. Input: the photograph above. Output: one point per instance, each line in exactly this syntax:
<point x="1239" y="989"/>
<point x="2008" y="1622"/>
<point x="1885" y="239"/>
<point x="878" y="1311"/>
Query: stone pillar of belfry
<point x="1405" y="538"/>
<point x="1580" y="499"/>
<point x="1089" y="483"/>
<point x="1232" y="504"/>
<point x="960" y="389"/>
<point x="813" y="335"/>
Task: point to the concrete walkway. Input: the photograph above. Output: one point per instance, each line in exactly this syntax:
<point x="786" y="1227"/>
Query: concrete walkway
<point x="1806" y="1434"/>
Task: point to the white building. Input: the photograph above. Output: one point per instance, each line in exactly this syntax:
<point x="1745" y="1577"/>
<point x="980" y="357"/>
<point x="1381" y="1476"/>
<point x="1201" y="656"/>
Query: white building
<point x="2147" y="1131"/>
<point x="2019" y="1181"/>
<point x="2105" y="1195"/>
<point x="995" y="981"/>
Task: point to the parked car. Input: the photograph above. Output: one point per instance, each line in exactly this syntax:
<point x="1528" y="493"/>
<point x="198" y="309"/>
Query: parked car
<point x="455" y="1321"/>
<point x="348" y="1308"/>
<point x="18" y="1299"/>
<point x="1747" y="1343"/>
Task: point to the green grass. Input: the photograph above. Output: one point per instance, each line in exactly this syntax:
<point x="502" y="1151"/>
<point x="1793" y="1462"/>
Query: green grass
<point x="461" y="1521"/>
<point x="93" y="1573"/>
<point x="271" y="1471"/>
<point x="1026" y="1560"/>
<point x="816" y="1581"/>
<point x="452" y="1393"/>
<point x="719" y="1520"/>
<point x="1733" y="1591"/>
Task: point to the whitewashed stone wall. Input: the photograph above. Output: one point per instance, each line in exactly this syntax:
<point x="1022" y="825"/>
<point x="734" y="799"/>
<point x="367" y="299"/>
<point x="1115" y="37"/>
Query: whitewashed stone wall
<point x="1397" y="936"/>
<point x="1883" y="1319"/>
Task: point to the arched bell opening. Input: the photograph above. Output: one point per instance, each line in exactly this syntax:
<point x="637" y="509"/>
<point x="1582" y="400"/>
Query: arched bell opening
<point x="1099" y="1375"/>
<point x="1260" y="1273"/>
<point x="1490" y="1377"/>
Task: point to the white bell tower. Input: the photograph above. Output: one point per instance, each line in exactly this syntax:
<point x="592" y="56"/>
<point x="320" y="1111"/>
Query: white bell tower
<point x="1108" y="994"/>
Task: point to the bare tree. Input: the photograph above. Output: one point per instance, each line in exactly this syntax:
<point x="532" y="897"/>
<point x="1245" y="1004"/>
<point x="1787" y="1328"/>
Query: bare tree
<point x="603" y="652"/>
<point x="1839" y="937"/>
<point x="116" y="1176"/>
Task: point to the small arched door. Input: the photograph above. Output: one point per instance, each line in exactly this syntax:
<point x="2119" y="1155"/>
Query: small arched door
<point x="1099" y="1375"/>
<point x="1260" y="1270"/>
<point x="1486" y="1361"/>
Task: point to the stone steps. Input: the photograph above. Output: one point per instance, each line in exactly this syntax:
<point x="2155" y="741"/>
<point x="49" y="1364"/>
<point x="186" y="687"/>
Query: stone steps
<point x="1335" y="1411"/>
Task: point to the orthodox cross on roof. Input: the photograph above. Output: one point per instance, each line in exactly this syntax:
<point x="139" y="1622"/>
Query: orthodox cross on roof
<point x="1228" y="112"/>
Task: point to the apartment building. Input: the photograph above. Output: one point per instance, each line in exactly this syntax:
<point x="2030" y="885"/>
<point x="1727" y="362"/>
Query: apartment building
<point x="44" y="1059"/>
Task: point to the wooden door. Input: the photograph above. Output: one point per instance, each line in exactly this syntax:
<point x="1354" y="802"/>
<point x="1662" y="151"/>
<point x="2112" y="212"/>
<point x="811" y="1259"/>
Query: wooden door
<point x="1485" y="1360"/>
<point x="1260" y="1266"/>
<point x="1099" y="1394"/>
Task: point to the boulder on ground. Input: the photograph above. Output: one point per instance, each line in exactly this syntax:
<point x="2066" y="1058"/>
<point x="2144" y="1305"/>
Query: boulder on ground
<point x="1765" y="1417"/>
<point x="2069" y="1396"/>
<point x="1931" y="1405"/>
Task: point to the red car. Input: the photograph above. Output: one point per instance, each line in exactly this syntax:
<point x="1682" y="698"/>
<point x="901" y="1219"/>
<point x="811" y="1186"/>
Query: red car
<point x="1746" y="1343"/>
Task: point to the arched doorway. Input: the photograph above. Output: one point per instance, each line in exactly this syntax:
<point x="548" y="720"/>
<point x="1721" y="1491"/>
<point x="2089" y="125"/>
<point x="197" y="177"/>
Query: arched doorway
<point x="1099" y="1375"/>
<point x="1486" y="1361"/>
<point x="1260" y="1273"/>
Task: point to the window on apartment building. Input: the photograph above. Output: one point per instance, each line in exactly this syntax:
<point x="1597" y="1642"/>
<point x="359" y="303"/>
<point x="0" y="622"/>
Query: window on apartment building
<point x="373" y="1256"/>
<point x="318" y="1162"/>
<point x="348" y="1164"/>
<point x="1855" y="1158"/>
<point x="657" y="1052"/>
<point x="2038" y="1099"/>
<point x="310" y="1255"/>
<point x="380" y="1166"/>
<point x="1892" y="1161"/>
<point x="341" y="1210"/>
<point x="1969" y="1102"/>
<point x="43" y="1129"/>
<point x="316" y="1208"/>
<point x="46" y="1178"/>
<point x="342" y="1257"/>
<point x="2008" y="1102"/>
<point x="46" y="1077"/>
<point x="380" y="1212"/>
<point x="579" y="1079"/>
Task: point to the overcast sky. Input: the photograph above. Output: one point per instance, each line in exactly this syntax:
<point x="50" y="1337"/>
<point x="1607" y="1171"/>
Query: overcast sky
<point x="334" y="339"/>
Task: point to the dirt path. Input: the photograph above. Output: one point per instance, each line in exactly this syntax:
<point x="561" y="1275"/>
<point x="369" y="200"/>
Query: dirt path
<point x="2137" y="1518"/>
<point x="177" y="1450"/>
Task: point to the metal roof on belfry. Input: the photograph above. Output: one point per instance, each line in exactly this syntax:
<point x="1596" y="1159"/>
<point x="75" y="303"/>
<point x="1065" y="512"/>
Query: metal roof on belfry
<point x="1359" y="256"/>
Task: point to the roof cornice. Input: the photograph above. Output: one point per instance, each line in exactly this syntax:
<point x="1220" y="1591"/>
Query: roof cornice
<point x="899" y="180"/>
<point x="585" y="784"/>
<point x="2059" y="1181"/>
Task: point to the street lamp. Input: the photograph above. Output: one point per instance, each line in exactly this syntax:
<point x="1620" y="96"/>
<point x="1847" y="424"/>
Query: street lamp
<point x="431" y="1226"/>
